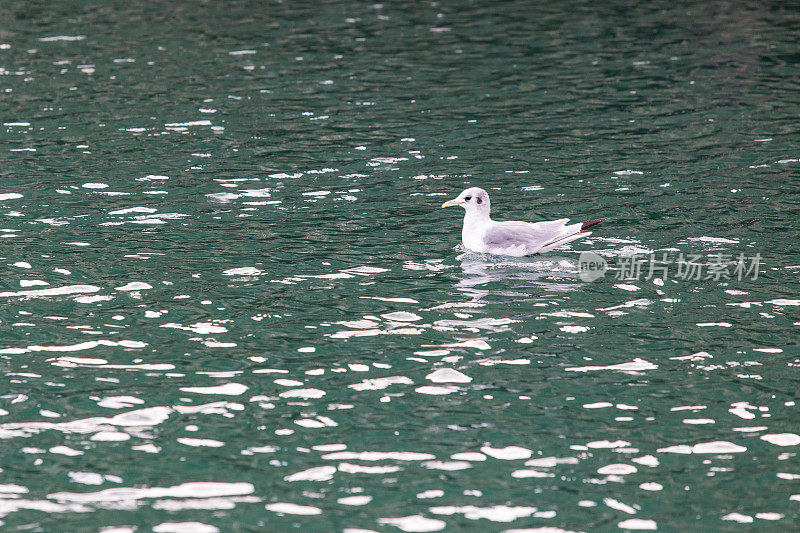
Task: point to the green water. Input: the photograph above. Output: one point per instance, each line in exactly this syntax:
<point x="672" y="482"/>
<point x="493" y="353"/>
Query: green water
<point x="227" y="282"/>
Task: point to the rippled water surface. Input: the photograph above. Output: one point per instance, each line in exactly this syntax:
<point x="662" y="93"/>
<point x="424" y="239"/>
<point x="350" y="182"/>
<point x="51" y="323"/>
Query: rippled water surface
<point x="230" y="301"/>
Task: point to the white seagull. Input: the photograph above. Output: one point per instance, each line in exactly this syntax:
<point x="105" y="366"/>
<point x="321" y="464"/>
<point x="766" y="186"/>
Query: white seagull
<point x="516" y="238"/>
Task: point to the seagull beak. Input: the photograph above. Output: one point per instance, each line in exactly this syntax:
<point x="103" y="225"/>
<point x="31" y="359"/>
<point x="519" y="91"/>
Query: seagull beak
<point x="451" y="203"/>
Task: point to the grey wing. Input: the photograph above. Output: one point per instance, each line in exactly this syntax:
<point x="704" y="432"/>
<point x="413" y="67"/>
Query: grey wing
<point x="523" y="236"/>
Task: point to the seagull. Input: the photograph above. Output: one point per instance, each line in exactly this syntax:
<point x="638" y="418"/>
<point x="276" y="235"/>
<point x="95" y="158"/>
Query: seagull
<point x="515" y="238"/>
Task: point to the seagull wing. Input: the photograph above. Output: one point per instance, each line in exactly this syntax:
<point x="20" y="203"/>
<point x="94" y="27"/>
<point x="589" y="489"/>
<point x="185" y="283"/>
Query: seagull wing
<point x="524" y="238"/>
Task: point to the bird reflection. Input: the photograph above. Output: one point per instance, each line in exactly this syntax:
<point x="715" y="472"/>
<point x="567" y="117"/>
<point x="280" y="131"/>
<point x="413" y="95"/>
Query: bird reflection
<point x="487" y="276"/>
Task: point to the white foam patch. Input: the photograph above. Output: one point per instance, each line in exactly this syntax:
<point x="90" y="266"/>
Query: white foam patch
<point x="568" y="314"/>
<point x="619" y="506"/>
<point x="65" y="38"/>
<point x="378" y="456"/>
<point x="182" y="527"/>
<point x="202" y="489"/>
<point x="782" y="439"/>
<point x="202" y="328"/>
<point x="447" y="466"/>
<point x="529" y="473"/>
<point x="544" y="529"/>
<point x="213" y="408"/>
<point x="509" y="453"/>
<point x="110" y="436"/>
<point x="261" y="449"/>
<point x="719" y="446"/>
<point x="85" y="478"/>
<point x="414" y="523"/>
<point x="361" y="469"/>
<point x="638" y="524"/>
<point x="699" y="356"/>
<point x="597" y="405"/>
<point x="548" y="462"/>
<point x="242" y="271"/>
<point x="436" y="391"/>
<point x="134" y="286"/>
<point x="738" y="517"/>
<point x="65" y="450"/>
<point x="494" y="362"/>
<point x="310" y="423"/>
<point x="54" y="291"/>
<point x="432" y="353"/>
<point x="229" y="389"/>
<point x="476" y="344"/>
<point x="448" y="375"/>
<point x="288" y="382"/>
<point x="637" y="365"/>
<point x="769" y="516"/>
<point x="305" y="394"/>
<point x="208" y="443"/>
<point x="468" y="456"/>
<point x="32" y="283"/>
<point x="619" y="469"/>
<point x="646" y="460"/>
<point x="92" y="299"/>
<point x="82" y="360"/>
<point x="147" y="448"/>
<point x="402" y="316"/>
<point x="651" y="486"/>
<point x="365" y="270"/>
<point x="574" y="329"/>
<point x="88" y="345"/>
<point x="400" y="300"/>
<point x="10" y="488"/>
<point x="715" y="240"/>
<point x="375" y="332"/>
<point x="10" y="196"/>
<point x="354" y="500"/>
<point x="783" y="301"/>
<point x="293" y="508"/>
<point x="606" y="444"/>
<point x="740" y="409"/>
<point x="381" y="383"/>
<point x="72" y="362"/>
<point x="319" y="473"/>
<point x="132" y="210"/>
<point x="329" y="447"/>
<point x="187" y="124"/>
<point x="496" y="513"/>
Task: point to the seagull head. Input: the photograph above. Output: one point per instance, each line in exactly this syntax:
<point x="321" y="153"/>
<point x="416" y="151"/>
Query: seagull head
<point x="474" y="201"/>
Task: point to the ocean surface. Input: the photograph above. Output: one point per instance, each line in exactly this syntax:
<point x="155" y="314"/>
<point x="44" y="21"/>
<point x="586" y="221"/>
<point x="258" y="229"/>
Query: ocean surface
<point x="230" y="301"/>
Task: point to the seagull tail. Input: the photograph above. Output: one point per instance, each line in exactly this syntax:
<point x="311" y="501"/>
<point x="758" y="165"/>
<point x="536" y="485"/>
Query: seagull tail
<point x="581" y="233"/>
<point x="589" y="223"/>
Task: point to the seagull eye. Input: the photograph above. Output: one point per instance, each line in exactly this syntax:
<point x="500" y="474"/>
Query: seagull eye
<point x="478" y="200"/>
<point x="468" y="198"/>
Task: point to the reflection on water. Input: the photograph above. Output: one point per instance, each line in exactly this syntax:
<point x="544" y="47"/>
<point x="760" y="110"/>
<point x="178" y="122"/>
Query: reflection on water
<point x="515" y="278"/>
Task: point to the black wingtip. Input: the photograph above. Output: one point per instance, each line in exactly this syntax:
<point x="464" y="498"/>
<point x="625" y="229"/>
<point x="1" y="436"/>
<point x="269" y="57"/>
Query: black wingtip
<point x="589" y="223"/>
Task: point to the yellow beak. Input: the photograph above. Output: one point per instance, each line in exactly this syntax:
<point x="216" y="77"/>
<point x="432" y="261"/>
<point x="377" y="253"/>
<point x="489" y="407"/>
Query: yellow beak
<point x="451" y="203"/>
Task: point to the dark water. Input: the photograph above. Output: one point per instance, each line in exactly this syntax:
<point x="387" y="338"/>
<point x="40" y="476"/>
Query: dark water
<point x="231" y="303"/>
